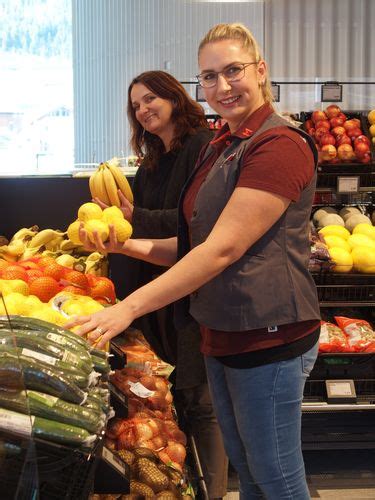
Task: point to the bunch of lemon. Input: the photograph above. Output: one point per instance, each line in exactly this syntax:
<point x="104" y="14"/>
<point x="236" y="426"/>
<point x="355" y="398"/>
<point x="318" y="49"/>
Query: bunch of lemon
<point x="95" y="219"/>
<point x="371" y="120"/>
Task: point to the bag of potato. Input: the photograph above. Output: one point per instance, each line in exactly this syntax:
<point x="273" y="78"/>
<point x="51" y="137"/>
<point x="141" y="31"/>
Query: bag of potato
<point x="332" y="338"/>
<point x="361" y="336"/>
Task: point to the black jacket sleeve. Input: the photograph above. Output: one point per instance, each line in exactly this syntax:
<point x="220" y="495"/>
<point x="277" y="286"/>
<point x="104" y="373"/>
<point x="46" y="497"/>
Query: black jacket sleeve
<point x="162" y="223"/>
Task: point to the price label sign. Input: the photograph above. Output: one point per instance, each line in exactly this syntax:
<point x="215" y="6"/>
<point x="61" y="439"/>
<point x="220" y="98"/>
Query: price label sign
<point x="347" y="184"/>
<point x="113" y="460"/>
<point x="340" y="391"/>
<point x="275" y="88"/>
<point x="331" y="92"/>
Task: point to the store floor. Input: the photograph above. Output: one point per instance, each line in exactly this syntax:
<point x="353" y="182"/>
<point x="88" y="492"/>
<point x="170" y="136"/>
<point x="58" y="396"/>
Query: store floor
<point x="333" y="475"/>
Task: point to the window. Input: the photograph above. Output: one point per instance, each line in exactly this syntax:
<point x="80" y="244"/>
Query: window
<point x="36" y="87"/>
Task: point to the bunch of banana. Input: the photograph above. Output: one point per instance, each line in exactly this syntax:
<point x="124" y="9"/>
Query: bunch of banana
<point x="105" y="182"/>
<point x="18" y="244"/>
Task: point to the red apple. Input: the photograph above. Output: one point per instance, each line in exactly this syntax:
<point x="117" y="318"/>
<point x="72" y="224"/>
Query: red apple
<point x="342" y="116"/>
<point x="343" y="139"/>
<point x="354" y="132"/>
<point x="362" y="138"/>
<point x="357" y="121"/>
<point x="318" y="115"/>
<point x="337" y="121"/>
<point x="366" y="158"/>
<point x="338" y="131"/>
<point x="332" y="111"/>
<point x="323" y="124"/>
<point x="309" y="124"/>
<point x="327" y="139"/>
<point x="350" y="124"/>
<point x="328" y="152"/>
<point x="311" y="132"/>
<point x="345" y="152"/>
<point x="361" y="149"/>
<point x="319" y="132"/>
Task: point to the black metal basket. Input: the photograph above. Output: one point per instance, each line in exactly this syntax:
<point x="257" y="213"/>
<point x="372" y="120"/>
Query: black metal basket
<point x="346" y="287"/>
<point x="36" y="469"/>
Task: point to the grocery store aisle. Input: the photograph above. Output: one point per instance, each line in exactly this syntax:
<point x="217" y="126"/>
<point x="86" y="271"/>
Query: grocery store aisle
<point x="333" y="475"/>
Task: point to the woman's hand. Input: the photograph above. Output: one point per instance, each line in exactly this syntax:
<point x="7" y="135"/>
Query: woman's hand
<point x="103" y="325"/>
<point x="126" y="207"/>
<point x="97" y="245"/>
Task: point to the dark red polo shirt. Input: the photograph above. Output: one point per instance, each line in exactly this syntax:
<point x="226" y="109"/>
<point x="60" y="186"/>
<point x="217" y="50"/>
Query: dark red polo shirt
<point x="277" y="162"/>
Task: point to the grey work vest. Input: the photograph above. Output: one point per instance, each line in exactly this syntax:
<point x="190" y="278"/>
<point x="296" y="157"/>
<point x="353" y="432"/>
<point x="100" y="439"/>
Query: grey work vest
<point x="270" y="284"/>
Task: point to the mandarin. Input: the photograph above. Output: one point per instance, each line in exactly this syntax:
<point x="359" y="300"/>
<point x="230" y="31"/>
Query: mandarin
<point x="14" y="272"/>
<point x="54" y="270"/>
<point x="32" y="274"/>
<point x="75" y="290"/>
<point x="77" y="279"/>
<point x="44" y="288"/>
<point x="104" y="288"/>
<point x="44" y="261"/>
<point x="3" y="264"/>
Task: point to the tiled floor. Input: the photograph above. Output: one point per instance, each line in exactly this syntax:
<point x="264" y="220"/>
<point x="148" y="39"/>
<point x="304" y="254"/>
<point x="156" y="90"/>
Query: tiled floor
<point x="335" y="475"/>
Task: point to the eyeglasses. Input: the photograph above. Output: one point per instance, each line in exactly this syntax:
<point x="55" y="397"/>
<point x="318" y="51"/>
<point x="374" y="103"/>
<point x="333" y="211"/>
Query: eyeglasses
<point x="231" y="74"/>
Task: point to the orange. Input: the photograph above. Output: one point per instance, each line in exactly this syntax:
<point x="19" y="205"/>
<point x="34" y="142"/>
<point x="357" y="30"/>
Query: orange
<point x="3" y="264"/>
<point x="103" y="288"/>
<point x="32" y="274"/>
<point x="44" y="288"/>
<point x="44" y="261"/>
<point x="28" y="264"/>
<point x="54" y="270"/>
<point x="77" y="279"/>
<point x="14" y="272"/>
<point x="75" y="289"/>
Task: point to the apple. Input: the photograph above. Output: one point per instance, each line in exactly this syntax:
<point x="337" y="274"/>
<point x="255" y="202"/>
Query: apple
<point x="327" y="139"/>
<point x="350" y="124"/>
<point x="318" y="115"/>
<point x="328" y="152"/>
<point x="338" y="131"/>
<point x="323" y="123"/>
<point x="354" y="132"/>
<point x="357" y="121"/>
<point x="319" y="132"/>
<point x="342" y="116"/>
<point x="361" y="149"/>
<point x="311" y="132"/>
<point x="332" y="111"/>
<point x="309" y="124"/>
<point x="366" y="158"/>
<point x="336" y="121"/>
<point x="343" y="139"/>
<point x="362" y="138"/>
<point x="345" y="152"/>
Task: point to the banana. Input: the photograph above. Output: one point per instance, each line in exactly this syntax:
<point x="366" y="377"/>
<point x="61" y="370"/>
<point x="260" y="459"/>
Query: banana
<point x="4" y="254"/>
<point x="110" y="186"/>
<point x="68" y="245"/>
<point x="121" y="180"/>
<point x="25" y="234"/>
<point x="43" y="237"/>
<point x="54" y="244"/>
<point x="30" y="252"/>
<point x="100" y="188"/>
<point x="66" y="260"/>
<point x="92" y="185"/>
<point x="16" y="248"/>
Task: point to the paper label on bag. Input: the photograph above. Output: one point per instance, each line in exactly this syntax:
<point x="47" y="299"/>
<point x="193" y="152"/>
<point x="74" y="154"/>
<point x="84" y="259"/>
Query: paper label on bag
<point x="58" y="339"/>
<point x="140" y="390"/>
<point x="50" y="360"/>
<point x="15" y="422"/>
<point x="69" y="357"/>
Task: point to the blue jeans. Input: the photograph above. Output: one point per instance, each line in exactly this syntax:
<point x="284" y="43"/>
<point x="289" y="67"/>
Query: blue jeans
<point x="259" y="413"/>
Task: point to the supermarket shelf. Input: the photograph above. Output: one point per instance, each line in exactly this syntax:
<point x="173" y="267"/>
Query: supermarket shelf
<point x="326" y="407"/>
<point x="346" y="304"/>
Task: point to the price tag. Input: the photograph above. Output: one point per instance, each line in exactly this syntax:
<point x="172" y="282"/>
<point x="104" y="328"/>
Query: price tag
<point x="340" y="391"/>
<point x="331" y="92"/>
<point x="113" y="460"/>
<point x="347" y="184"/>
<point x="275" y="92"/>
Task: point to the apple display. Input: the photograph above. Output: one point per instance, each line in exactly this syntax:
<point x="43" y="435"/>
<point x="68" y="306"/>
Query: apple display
<point x="337" y="121"/>
<point x="361" y="149"/>
<point x="354" y="132"/>
<point x="327" y="139"/>
<point x="350" y="124"/>
<point x="343" y="139"/>
<point x="338" y="131"/>
<point x="362" y="138"/>
<point x="319" y="132"/>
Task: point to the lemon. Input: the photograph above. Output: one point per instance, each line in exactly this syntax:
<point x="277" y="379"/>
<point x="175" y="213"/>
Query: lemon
<point x="48" y="314"/>
<point x="91" y="307"/>
<point x="123" y="229"/>
<point x="99" y="226"/>
<point x="332" y="240"/>
<point x="336" y="231"/>
<point x="361" y="240"/>
<point x="372" y="130"/>
<point x="364" y="259"/>
<point x="72" y="308"/>
<point x="89" y="211"/>
<point x="371" y="116"/>
<point x="19" y="286"/>
<point x="365" y="229"/>
<point x="73" y="232"/>
<point x="342" y="258"/>
<point x="13" y="302"/>
<point x="112" y="213"/>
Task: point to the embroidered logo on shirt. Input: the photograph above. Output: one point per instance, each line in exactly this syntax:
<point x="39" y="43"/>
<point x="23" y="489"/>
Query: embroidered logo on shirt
<point x="272" y="329"/>
<point x="247" y="132"/>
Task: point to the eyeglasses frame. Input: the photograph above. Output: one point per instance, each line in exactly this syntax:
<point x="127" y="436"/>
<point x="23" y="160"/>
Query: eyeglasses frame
<point x="245" y="65"/>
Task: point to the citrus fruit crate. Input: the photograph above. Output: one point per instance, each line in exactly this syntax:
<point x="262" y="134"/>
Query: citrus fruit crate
<point x="345" y="287"/>
<point x="34" y="468"/>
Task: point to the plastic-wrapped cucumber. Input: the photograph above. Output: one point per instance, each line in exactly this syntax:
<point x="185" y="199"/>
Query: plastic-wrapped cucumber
<point x="20" y="373"/>
<point x="44" y="428"/>
<point x="25" y="323"/>
<point x="101" y="365"/>
<point x="32" y="340"/>
<point x="53" y="408"/>
<point x="99" y="353"/>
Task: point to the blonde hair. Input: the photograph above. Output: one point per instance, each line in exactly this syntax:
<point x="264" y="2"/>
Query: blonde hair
<point x="237" y="31"/>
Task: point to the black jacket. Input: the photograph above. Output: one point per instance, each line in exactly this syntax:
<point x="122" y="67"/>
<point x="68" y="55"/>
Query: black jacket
<point x="156" y="196"/>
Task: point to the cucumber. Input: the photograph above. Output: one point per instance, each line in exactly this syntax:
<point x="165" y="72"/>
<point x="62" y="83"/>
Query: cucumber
<point x="99" y="353"/>
<point x="101" y="365"/>
<point x="53" y="408"/>
<point x="23" y="322"/>
<point x="33" y="340"/>
<point x="19" y="373"/>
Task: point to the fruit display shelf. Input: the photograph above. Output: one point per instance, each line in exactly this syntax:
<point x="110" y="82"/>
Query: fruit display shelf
<point x="345" y="289"/>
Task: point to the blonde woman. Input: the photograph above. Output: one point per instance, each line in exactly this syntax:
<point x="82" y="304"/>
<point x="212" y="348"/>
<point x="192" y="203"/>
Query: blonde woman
<point x="239" y="264"/>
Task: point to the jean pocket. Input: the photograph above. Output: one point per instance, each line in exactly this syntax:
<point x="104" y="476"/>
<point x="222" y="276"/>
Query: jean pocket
<point x="309" y="358"/>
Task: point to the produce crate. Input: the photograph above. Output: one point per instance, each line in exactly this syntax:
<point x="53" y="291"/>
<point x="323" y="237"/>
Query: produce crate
<point x="33" y="468"/>
<point x="357" y="366"/>
<point x="345" y="287"/>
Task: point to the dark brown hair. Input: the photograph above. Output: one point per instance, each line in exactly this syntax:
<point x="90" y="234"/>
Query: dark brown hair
<point x="187" y="116"/>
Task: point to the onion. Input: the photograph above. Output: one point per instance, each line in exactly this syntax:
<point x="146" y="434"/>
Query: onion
<point x="176" y="452"/>
<point x="143" y="431"/>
